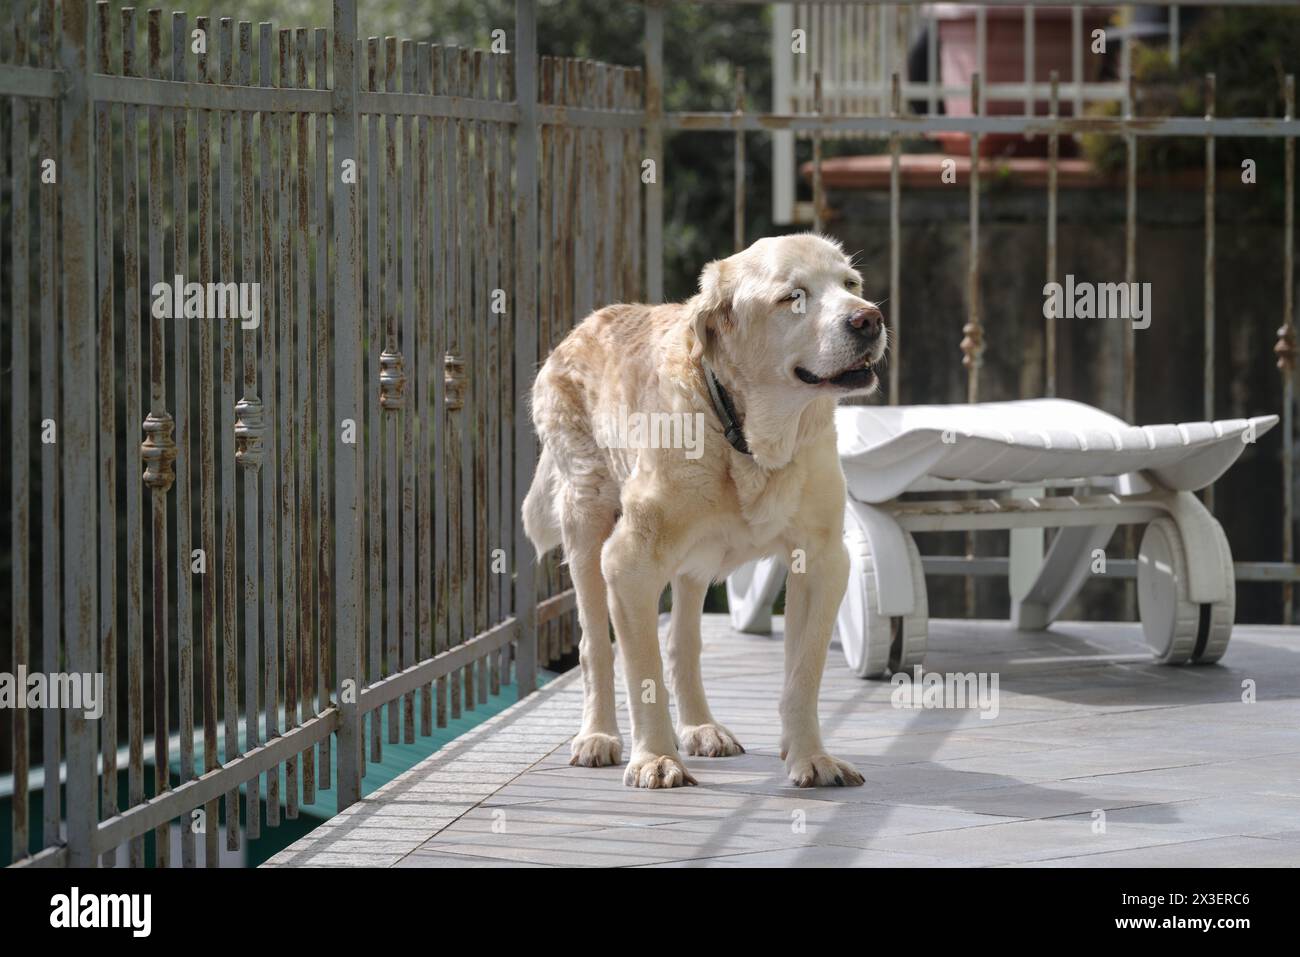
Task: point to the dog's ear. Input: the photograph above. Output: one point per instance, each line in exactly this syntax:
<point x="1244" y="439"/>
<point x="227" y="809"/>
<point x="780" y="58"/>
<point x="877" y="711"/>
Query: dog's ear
<point x="712" y="307"/>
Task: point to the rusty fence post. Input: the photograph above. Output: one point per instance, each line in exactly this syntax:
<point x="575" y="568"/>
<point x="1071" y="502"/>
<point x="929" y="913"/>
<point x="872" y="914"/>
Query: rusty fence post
<point x="526" y="239"/>
<point x="348" y="405"/>
<point x="79" y="418"/>
<point x="654" y="150"/>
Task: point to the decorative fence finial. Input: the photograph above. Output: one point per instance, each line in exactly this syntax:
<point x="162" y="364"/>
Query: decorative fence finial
<point x="1285" y="348"/>
<point x="158" y="451"/>
<point x="392" y="381"/>
<point x="972" y="344"/>
<point x="454" y="381"/>
<point x="248" y="432"/>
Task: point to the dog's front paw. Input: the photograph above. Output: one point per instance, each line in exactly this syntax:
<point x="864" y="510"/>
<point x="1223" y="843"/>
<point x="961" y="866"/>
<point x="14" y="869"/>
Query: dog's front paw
<point x="595" y="750"/>
<point x="708" y="741"/>
<point x="822" y="770"/>
<point x="656" y="771"/>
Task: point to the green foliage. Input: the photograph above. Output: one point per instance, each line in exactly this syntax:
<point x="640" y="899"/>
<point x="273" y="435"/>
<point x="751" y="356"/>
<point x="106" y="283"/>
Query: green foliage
<point x="1250" y="51"/>
<point x="703" y="44"/>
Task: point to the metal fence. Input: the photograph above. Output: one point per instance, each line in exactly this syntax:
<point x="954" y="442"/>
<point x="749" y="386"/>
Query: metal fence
<point x="299" y="530"/>
<point x="835" y="87"/>
<point x="334" y="560"/>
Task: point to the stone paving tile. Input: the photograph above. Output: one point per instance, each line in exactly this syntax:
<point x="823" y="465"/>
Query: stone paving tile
<point x="1212" y="852"/>
<point x="1019" y="841"/>
<point x="1185" y="772"/>
<point x="815" y="855"/>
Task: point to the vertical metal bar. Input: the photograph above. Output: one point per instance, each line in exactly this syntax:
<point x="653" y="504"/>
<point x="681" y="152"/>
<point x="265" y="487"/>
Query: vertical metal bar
<point x="507" y="330"/>
<point x="492" y="394"/>
<point x="738" y="177"/>
<point x="348" y="473"/>
<point x="526" y="288"/>
<point x="1053" y="162"/>
<point x="895" y="239"/>
<point x="229" y="560"/>
<point x="289" y="451"/>
<point x="1129" y="396"/>
<point x="481" y="326"/>
<point x="374" y="453"/>
<point x="1286" y="350"/>
<point x="51" y="503"/>
<point x="107" y="412"/>
<point x="972" y="343"/>
<point x="1029" y="51"/>
<point x="981" y="59"/>
<point x="131" y="369"/>
<point x="1076" y="56"/>
<point x="465" y="331"/>
<point x="325" y="442"/>
<point x="207" y="468"/>
<point x="932" y="63"/>
<point x="20" y="397"/>
<point x="654" y="147"/>
<point x="456" y="624"/>
<point x="303" y="415"/>
<point x="438" y="418"/>
<point x="1210" y="184"/>
<point x="391" y="377"/>
<point x="270" y="502"/>
<point x="78" y="197"/>
<point x="158" y="452"/>
<point x="553" y="207"/>
<point x="184" y="543"/>
<point x="408" y="415"/>
<point x="1130" y="277"/>
<point x="248" y="439"/>
<point x="426" y="407"/>
<point x="819" y="198"/>
<point x="51" y="452"/>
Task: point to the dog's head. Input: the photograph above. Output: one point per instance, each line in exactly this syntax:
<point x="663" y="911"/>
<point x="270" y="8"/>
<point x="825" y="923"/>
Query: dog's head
<point x="788" y="314"/>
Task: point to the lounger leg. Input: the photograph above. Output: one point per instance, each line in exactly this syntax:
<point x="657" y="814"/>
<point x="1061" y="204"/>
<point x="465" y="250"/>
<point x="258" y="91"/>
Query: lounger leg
<point x="751" y="590"/>
<point x="1063" y="572"/>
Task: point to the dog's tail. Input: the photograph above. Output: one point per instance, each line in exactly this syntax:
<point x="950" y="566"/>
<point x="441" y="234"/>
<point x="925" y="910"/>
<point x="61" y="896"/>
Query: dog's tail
<point x="541" y="521"/>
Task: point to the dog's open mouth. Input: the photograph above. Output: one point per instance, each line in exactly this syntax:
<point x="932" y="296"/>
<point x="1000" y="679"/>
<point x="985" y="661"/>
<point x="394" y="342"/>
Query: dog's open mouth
<point x="861" y="375"/>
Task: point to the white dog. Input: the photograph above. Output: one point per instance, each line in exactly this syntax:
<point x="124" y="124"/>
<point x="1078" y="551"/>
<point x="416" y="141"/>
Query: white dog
<point x="775" y="337"/>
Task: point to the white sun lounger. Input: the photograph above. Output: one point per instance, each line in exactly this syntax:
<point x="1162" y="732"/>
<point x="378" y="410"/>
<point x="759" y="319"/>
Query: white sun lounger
<point x="1032" y="465"/>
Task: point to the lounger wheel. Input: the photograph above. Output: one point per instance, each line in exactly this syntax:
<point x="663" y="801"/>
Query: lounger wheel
<point x="1217" y="618"/>
<point x="875" y="645"/>
<point x="1178" y="629"/>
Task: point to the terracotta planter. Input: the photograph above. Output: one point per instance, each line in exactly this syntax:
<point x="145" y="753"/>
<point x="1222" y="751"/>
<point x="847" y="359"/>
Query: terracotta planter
<point x="1005" y="63"/>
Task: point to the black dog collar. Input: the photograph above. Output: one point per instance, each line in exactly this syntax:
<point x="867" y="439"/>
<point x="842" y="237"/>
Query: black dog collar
<point x="726" y="411"/>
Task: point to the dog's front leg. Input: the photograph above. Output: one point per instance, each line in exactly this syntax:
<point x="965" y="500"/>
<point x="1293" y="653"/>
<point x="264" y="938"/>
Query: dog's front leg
<point x="636" y="579"/>
<point x="813" y="597"/>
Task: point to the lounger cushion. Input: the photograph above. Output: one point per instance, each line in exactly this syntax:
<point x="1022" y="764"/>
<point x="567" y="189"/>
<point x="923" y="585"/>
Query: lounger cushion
<point x="887" y="450"/>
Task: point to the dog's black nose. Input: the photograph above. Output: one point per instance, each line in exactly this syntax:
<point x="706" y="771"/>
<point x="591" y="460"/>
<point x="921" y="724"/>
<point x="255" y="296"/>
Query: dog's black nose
<point x="866" y="322"/>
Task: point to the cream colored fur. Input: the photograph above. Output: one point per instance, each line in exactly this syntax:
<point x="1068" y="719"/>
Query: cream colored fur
<point x="633" y="520"/>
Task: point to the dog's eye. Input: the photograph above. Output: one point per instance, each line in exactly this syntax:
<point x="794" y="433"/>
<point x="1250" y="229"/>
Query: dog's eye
<point x="794" y="296"/>
<point x="853" y="284"/>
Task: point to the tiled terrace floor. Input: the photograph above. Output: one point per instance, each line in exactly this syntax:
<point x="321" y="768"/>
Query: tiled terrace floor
<point x="1097" y="757"/>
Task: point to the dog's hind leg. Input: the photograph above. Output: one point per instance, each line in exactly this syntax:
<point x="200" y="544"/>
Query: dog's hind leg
<point x="697" y="732"/>
<point x="585" y="527"/>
